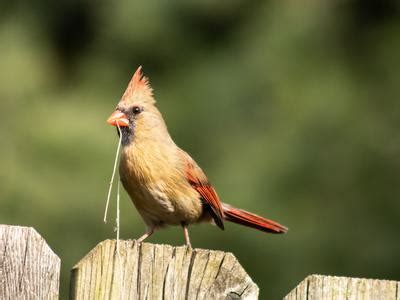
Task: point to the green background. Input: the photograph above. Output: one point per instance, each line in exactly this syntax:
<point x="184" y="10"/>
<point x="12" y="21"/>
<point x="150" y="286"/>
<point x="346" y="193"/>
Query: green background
<point x="290" y="107"/>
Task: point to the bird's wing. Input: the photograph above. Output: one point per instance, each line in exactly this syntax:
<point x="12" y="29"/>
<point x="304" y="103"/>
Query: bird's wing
<point x="200" y="183"/>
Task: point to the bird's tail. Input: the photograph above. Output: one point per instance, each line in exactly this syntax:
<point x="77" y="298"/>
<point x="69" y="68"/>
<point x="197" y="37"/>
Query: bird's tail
<point x="248" y="219"/>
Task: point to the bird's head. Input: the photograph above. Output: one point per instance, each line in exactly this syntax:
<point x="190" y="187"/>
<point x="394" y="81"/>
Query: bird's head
<point x="136" y="113"/>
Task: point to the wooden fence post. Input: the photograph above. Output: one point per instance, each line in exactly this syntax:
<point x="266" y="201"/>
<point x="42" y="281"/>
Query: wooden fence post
<point x="29" y="269"/>
<point x="148" y="271"/>
<point x="332" y="287"/>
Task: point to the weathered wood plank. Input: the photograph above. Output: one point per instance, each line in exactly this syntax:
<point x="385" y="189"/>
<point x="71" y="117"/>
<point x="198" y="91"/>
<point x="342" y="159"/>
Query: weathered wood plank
<point x="29" y="269"/>
<point x="148" y="271"/>
<point x="333" y="287"/>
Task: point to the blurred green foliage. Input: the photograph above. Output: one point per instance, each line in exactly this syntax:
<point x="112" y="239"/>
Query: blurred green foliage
<point x="291" y="107"/>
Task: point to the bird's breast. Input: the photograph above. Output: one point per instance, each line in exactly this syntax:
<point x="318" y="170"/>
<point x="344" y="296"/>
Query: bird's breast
<point x="158" y="188"/>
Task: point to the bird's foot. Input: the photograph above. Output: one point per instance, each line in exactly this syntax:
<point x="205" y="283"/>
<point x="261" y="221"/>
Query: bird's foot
<point x="186" y="234"/>
<point x="148" y="233"/>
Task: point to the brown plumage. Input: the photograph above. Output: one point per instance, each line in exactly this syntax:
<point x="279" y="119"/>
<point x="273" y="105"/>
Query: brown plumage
<point x="165" y="184"/>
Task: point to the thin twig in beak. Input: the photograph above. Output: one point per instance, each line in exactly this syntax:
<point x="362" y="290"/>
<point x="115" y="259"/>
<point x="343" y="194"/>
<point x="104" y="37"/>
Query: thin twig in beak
<point x="113" y="174"/>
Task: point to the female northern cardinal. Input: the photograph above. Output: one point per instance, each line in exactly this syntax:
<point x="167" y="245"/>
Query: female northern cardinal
<point x="164" y="182"/>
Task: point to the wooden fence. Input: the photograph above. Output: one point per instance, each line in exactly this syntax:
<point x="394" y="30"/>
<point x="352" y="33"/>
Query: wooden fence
<point x="29" y="269"/>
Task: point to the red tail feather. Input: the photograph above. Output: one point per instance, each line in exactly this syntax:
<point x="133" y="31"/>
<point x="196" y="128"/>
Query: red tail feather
<point x="246" y="218"/>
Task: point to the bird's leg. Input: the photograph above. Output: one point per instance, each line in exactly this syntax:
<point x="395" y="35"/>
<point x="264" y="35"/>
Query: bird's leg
<point x="149" y="232"/>
<point x="186" y="234"/>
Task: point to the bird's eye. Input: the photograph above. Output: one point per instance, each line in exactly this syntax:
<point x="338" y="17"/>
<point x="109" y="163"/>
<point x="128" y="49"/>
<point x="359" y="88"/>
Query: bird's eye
<point x="137" y="110"/>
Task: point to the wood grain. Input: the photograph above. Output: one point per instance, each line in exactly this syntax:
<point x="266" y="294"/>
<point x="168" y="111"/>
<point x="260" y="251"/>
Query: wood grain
<point x="338" y="288"/>
<point x="149" y="271"/>
<point x="29" y="269"/>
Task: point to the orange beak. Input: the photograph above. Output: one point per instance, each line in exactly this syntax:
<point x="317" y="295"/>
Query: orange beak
<point x="118" y="118"/>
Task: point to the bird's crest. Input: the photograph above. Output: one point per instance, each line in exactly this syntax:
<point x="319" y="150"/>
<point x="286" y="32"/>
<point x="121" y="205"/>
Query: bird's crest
<point x="138" y="89"/>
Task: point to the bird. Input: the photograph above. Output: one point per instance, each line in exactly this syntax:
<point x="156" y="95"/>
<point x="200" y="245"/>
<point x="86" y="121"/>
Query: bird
<point x="165" y="184"/>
